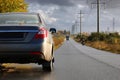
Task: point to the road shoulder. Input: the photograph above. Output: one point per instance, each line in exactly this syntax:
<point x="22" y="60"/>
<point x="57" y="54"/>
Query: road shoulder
<point x="103" y="56"/>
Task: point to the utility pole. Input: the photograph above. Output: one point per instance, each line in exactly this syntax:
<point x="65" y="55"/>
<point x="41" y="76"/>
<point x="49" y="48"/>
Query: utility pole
<point x="72" y="30"/>
<point x="107" y="29"/>
<point x="80" y="22"/>
<point x="98" y="16"/>
<point x="76" y="26"/>
<point x="113" y="25"/>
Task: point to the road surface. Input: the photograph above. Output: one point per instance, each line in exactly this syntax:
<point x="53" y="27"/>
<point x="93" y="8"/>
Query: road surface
<point x="72" y="62"/>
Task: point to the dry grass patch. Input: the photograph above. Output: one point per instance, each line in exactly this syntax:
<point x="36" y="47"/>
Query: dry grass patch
<point x="58" y="40"/>
<point x="115" y="48"/>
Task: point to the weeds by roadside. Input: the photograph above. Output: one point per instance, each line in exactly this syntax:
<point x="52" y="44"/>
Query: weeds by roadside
<point x="58" y="40"/>
<point x="114" y="48"/>
<point x="107" y="42"/>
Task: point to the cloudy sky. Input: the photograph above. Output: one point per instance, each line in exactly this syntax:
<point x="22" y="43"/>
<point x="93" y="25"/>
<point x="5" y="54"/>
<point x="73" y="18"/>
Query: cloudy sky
<point x="62" y="14"/>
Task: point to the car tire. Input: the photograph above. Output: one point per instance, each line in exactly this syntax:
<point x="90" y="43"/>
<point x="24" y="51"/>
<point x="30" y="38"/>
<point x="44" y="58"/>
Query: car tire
<point x="1" y="67"/>
<point x="47" y="66"/>
<point x="53" y="60"/>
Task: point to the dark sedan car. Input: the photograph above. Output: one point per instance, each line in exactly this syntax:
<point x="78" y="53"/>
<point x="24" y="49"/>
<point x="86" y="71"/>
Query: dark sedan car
<point x="25" y="39"/>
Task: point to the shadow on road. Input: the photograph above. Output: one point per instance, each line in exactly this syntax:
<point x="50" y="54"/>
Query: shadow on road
<point x="23" y="73"/>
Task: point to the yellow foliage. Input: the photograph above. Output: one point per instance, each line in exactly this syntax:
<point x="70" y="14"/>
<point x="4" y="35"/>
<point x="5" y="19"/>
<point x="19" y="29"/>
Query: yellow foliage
<point x="13" y="6"/>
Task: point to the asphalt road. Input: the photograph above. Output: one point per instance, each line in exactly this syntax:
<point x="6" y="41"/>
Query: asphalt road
<point x="72" y="62"/>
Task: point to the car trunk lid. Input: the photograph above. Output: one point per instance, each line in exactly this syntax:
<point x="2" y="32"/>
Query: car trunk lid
<point x="17" y="33"/>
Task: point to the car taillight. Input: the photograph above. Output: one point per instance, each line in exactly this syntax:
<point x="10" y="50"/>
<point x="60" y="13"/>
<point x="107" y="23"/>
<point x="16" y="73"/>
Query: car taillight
<point x="36" y="53"/>
<point x="43" y="33"/>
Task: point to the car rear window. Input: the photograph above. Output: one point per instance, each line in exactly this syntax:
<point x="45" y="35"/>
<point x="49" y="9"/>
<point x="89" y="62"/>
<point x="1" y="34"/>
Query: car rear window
<point x="19" y="19"/>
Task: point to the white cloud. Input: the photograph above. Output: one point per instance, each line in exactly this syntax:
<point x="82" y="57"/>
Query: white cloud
<point x="47" y="18"/>
<point x="45" y="11"/>
<point x="51" y="10"/>
<point x="80" y="6"/>
<point x="52" y="20"/>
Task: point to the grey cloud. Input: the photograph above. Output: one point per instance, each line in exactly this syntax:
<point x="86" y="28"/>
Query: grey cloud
<point x="113" y="4"/>
<point x="52" y="2"/>
<point x="108" y="3"/>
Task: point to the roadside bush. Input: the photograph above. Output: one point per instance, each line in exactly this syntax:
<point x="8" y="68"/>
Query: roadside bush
<point x="105" y="41"/>
<point x="95" y="36"/>
<point x="80" y="37"/>
<point x="110" y="38"/>
<point x="114" y="35"/>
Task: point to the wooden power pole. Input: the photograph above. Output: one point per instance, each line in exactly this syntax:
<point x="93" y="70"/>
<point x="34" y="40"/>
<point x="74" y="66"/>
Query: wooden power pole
<point x="80" y="13"/>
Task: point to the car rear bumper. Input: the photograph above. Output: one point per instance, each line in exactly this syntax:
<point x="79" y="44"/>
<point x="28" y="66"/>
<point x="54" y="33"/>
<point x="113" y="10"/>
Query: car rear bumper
<point x="22" y="47"/>
<point x="20" y="57"/>
<point x="23" y="53"/>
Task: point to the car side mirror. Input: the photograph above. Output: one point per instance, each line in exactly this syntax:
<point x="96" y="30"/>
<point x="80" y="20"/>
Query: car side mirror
<point x="52" y="30"/>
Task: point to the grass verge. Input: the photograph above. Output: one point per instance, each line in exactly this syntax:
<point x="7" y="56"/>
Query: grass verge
<point x="101" y="45"/>
<point x="58" y="40"/>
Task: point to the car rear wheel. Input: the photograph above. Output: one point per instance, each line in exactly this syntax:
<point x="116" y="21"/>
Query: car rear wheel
<point x="1" y="67"/>
<point x="53" y="60"/>
<point x="47" y="66"/>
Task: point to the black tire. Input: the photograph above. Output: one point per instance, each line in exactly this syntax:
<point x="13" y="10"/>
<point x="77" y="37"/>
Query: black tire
<point x="47" y="66"/>
<point x="53" y="60"/>
<point x="1" y="67"/>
